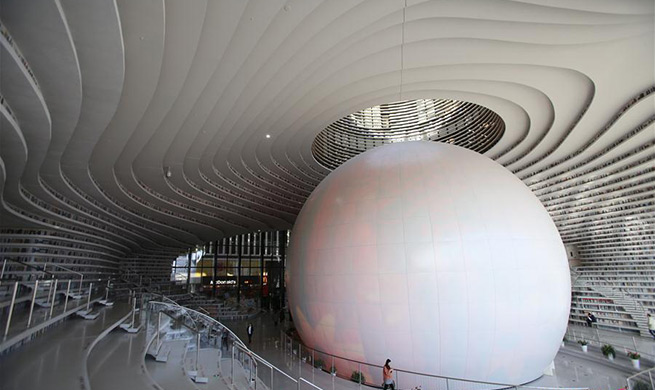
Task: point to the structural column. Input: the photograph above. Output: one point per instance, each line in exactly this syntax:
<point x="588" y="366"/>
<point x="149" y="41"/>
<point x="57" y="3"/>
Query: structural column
<point x="282" y="242"/>
<point x="239" y="244"/>
<point x="188" y="273"/>
<point x="215" y="268"/>
<point x="261" y="268"/>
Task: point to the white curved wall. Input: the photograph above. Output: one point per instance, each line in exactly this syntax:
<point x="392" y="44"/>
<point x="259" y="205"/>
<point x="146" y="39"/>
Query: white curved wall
<point x="433" y="256"/>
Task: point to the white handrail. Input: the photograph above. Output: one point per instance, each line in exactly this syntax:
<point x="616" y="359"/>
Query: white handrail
<point x="240" y="343"/>
<point x="641" y="375"/>
<point x="553" y="388"/>
<point x="447" y="378"/>
<point x="308" y="382"/>
<point x="616" y="340"/>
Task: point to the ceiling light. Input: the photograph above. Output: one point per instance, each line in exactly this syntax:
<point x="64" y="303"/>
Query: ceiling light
<point x="268" y="136"/>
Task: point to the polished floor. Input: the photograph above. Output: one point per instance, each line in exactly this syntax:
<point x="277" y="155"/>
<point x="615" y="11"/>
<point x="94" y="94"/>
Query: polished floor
<point x="571" y="371"/>
<point x="56" y="360"/>
<point x="117" y="362"/>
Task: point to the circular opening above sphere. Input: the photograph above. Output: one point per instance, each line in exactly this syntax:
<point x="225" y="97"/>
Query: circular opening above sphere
<point x="443" y="120"/>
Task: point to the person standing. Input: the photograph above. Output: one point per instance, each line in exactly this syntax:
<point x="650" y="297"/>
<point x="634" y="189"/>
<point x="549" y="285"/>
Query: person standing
<point x="387" y="375"/>
<point x="224" y="339"/>
<point x="588" y="319"/>
<point x="651" y="324"/>
<point x="250" y="331"/>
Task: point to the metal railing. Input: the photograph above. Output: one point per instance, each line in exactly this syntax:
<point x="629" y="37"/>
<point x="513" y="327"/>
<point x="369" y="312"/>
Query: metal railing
<point x="81" y="275"/>
<point x="42" y="271"/>
<point x="36" y="296"/>
<point x="245" y="365"/>
<point x="642" y="380"/>
<point x="37" y="270"/>
<point x="260" y="372"/>
<point x="620" y="341"/>
<point x="371" y="374"/>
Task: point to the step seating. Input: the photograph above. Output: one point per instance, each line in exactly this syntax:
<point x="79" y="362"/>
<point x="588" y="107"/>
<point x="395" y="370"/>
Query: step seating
<point x="618" y="292"/>
<point x="42" y="299"/>
<point x="208" y="366"/>
<point x="87" y="314"/>
<point x="6" y="287"/>
<point x="42" y="303"/>
<point x="163" y="353"/>
<point x="129" y="327"/>
<point x="72" y="295"/>
<point x="133" y="326"/>
<point x="160" y="352"/>
<point x="106" y="302"/>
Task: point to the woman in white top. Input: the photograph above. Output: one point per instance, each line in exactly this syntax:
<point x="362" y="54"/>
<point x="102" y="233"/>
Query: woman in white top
<point x="651" y="324"/>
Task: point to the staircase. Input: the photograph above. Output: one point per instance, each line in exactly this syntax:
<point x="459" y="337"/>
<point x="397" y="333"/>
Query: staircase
<point x="631" y="305"/>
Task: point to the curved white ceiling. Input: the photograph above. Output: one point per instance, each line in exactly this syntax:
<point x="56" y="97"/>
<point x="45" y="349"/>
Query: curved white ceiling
<point x="101" y="99"/>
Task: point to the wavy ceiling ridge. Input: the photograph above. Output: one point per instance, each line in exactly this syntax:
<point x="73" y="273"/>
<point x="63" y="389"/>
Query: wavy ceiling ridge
<point x="206" y="133"/>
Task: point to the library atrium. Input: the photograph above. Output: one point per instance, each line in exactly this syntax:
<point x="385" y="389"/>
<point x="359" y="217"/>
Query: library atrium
<point x="327" y="194"/>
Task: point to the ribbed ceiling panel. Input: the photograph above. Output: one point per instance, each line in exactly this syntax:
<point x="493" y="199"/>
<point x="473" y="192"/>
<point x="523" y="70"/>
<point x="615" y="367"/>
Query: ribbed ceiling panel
<point x="131" y="128"/>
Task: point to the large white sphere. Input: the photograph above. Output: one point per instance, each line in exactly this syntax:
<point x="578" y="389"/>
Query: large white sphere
<point x="433" y="256"/>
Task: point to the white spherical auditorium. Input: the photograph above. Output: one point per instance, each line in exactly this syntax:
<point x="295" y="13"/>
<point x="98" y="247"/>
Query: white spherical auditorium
<point x="433" y="256"/>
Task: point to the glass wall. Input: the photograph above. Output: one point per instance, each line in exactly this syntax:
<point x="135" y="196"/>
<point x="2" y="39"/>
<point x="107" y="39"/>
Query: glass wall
<point x="248" y="267"/>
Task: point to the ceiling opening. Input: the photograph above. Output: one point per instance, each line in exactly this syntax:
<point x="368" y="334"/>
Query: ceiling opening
<point x="442" y="120"/>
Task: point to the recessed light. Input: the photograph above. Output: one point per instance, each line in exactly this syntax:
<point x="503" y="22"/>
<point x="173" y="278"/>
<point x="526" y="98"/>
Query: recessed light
<point x="268" y="136"/>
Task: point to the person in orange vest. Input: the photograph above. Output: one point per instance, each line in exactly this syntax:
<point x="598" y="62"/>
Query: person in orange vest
<point x="387" y="375"/>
